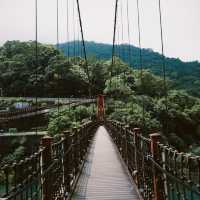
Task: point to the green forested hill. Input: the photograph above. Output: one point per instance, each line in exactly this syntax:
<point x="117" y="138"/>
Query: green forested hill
<point x="185" y="74"/>
<point x="59" y="75"/>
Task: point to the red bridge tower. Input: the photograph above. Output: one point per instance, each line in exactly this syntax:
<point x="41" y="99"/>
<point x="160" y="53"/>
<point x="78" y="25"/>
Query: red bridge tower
<point x="100" y="107"/>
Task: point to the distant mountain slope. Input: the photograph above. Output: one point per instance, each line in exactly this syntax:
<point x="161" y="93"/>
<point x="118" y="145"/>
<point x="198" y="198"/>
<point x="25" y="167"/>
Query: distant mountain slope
<point x="186" y="74"/>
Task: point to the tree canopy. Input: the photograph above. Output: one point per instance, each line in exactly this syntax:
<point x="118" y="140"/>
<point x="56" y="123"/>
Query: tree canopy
<point x="130" y="92"/>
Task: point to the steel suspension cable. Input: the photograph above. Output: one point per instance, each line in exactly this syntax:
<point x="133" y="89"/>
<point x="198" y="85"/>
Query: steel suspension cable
<point x="162" y="45"/>
<point x="57" y="24"/>
<point x="36" y="56"/>
<point x="78" y="38"/>
<point x="113" y="47"/>
<point x="163" y="61"/>
<point x="128" y="27"/>
<point x="84" y="47"/>
<point x="81" y="45"/>
<point x="122" y="32"/>
<point x="118" y="41"/>
<point x="141" y="62"/>
<point x="74" y="31"/>
<point x="81" y="49"/>
<point x="139" y="38"/>
<point x="67" y="7"/>
<point x="57" y="45"/>
<point x="114" y="38"/>
<point x="77" y="34"/>
<point x="68" y="38"/>
<point x="117" y="38"/>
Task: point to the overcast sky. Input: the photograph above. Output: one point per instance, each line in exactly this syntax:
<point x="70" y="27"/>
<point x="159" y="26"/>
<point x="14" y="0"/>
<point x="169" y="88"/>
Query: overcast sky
<point x="180" y="23"/>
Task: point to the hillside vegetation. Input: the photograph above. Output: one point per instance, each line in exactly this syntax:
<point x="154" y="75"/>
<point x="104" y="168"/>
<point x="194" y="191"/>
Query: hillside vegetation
<point x="58" y="75"/>
<point x="185" y="74"/>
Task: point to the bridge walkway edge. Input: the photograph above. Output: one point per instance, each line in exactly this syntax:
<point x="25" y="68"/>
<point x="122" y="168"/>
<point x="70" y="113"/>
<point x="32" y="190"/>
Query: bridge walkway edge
<point x="104" y="175"/>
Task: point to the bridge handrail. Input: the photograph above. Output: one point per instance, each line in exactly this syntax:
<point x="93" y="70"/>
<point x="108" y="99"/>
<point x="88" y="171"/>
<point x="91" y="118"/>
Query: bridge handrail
<point x="157" y="169"/>
<point x="15" y="175"/>
<point x="12" y="114"/>
<point x="51" y="172"/>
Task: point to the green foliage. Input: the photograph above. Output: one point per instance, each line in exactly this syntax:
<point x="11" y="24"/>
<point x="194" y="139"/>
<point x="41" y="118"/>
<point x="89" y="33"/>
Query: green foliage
<point x="182" y="117"/>
<point x="60" y="121"/>
<point x="133" y="91"/>
<point x="196" y="150"/>
<point x="99" y="74"/>
<point x="131" y="113"/>
<point x="56" y="75"/>
<point x="182" y="99"/>
<point x="185" y="74"/>
<point x="83" y="112"/>
<point x="18" y="153"/>
<point x="178" y="122"/>
<point x="176" y="141"/>
<point x="117" y="87"/>
<point x="68" y="118"/>
<point x="149" y="84"/>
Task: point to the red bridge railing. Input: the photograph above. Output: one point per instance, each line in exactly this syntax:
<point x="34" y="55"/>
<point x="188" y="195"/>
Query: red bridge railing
<point x="160" y="172"/>
<point x="52" y="172"/>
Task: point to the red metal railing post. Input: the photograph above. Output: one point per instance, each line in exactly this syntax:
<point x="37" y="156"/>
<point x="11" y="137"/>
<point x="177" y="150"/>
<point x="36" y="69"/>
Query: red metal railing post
<point x="157" y="180"/>
<point x="136" y="133"/>
<point x="126" y="143"/>
<point x="46" y="162"/>
<point x="75" y="151"/>
<point x="66" y="160"/>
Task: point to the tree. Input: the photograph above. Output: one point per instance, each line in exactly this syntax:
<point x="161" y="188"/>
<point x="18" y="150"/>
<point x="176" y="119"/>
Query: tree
<point x="116" y="87"/>
<point x="149" y="84"/>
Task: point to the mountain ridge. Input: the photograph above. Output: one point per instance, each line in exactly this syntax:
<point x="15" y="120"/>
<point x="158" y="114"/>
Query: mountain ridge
<point x="185" y="74"/>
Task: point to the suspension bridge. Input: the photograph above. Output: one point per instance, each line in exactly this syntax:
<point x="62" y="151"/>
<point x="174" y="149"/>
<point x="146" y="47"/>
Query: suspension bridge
<point x="103" y="159"/>
<point x="100" y="159"/>
<point x="35" y="114"/>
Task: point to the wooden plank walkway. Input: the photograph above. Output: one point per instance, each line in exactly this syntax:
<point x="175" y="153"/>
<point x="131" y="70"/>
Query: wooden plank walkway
<point x="103" y="176"/>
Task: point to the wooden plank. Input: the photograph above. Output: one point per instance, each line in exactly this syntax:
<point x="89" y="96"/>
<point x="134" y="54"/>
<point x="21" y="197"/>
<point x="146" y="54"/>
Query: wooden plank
<point x="104" y="176"/>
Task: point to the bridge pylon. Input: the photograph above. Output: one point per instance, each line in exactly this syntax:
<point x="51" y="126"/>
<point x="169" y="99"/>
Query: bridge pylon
<point x="100" y="107"/>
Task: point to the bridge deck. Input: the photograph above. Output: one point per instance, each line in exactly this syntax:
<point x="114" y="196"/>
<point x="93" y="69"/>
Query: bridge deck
<point x="103" y="176"/>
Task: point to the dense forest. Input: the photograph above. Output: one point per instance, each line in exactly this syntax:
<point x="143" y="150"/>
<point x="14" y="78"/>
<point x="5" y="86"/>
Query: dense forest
<point x="54" y="76"/>
<point x="185" y="74"/>
<point x="18" y="59"/>
<point x="60" y="75"/>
